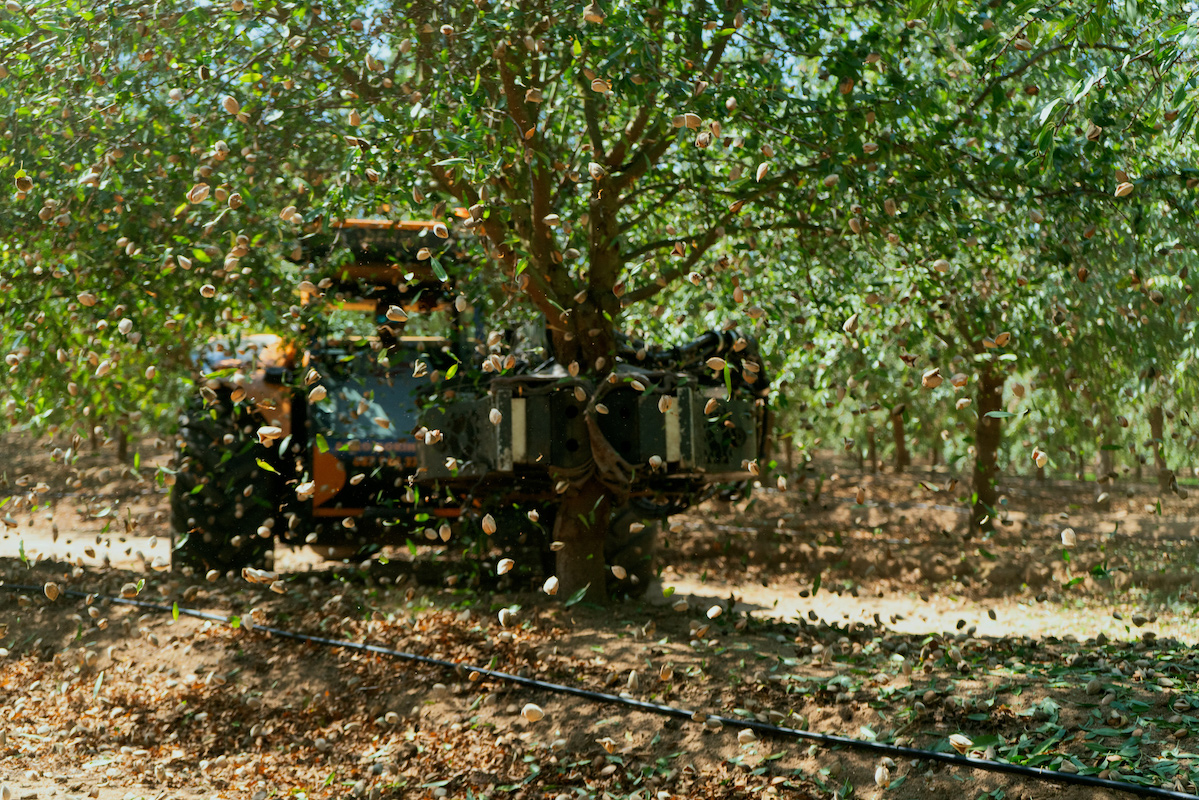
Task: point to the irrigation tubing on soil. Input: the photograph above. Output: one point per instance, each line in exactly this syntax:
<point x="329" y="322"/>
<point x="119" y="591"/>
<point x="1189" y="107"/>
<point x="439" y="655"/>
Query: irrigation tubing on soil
<point x="766" y="729"/>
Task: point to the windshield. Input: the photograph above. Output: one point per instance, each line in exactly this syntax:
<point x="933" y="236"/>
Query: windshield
<point x="368" y="402"/>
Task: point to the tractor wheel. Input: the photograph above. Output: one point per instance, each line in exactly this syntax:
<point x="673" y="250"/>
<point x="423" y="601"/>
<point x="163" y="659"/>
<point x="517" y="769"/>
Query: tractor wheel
<point x="222" y="496"/>
<point x="634" y="550"/>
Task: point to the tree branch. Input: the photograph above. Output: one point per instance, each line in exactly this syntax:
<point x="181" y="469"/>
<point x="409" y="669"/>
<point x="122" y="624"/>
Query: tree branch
<point x="591" y="117"/>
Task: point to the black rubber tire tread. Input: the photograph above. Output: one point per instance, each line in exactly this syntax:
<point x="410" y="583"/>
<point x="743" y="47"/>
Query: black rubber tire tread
<point x="634" y="551"/>
<point x="214" y="507"/>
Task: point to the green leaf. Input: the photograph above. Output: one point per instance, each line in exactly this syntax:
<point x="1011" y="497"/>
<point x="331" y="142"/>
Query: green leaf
<point x="999" y="414"/>
<point x="668" y="591"/>
<point x="451" y="372"/>
<point x="577" y="596"/>
<point x="266" y="466"/>
<point x="576" y="49"/>
<point x="439" y="270"/>
<point x="175" y="610"/>
<point x="321" y="443"/>
<point x="235" y="622"/>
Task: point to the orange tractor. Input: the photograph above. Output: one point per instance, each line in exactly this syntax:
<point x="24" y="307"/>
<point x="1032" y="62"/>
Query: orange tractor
<point x="389" y="434"/>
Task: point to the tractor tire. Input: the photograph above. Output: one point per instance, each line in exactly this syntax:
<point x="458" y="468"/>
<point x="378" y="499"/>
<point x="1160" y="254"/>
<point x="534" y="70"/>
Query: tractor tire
<point x="635" y="551"/>
<point x="222" y="496"/>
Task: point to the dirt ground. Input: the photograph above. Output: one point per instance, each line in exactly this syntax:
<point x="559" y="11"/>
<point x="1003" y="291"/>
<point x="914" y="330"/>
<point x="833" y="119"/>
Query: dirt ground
<point x="875" y="620"/>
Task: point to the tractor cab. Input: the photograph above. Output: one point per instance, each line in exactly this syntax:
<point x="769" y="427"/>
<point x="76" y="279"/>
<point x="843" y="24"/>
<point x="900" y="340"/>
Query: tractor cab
<point x="387" y="329"/>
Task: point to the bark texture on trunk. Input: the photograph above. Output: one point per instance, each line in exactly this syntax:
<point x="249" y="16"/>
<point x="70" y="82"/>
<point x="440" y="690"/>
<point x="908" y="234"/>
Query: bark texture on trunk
<point x="903" y="459"/>
<point x="582" y="525"/>
<point x="987" y="436"/>
<point x="1157" y="429"/>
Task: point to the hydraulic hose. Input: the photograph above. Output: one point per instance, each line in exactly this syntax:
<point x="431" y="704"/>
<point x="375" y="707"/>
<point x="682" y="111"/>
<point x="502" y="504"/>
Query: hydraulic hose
<point x="763" y="728"/>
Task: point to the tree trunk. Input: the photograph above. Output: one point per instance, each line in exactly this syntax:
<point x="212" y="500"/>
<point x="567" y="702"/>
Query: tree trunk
<point x="902" y="459"/>
<point x="1138" y="467"/>
<point x="987" y="436"/>
<point x="585" y="336"/>
<point x="871" y="449"/>
<point x="582" y="525"/>
<point x="789" y="452"/>
<point x="1080" y="466"/>
<point x="1157" y="433"/>
<point x="123" y="446"/>
<point x="1104" y="466"/>
<point x="934" y="456"/>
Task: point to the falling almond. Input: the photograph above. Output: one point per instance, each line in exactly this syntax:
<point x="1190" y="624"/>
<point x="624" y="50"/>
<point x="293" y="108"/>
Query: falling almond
<point x="593" y="14"/>
<point x="763" y="168"/>
<point x="505" y="566"/>
<point x="532" y="712"/>
<point x="931" y="379"/>
<point x="268" y="433"/>
<point x="489" y="526"/>
<point x="1124" y="189"/>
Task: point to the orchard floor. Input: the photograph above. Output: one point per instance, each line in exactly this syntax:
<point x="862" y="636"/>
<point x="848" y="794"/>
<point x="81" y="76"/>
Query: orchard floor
<point x="873" y="620"/>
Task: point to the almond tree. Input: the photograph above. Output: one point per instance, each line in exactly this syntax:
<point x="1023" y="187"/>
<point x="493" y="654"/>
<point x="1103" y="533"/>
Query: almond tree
<point x="165" y="156"/>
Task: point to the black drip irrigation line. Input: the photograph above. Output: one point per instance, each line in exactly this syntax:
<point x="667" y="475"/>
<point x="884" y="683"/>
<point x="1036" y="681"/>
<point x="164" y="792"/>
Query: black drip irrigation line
<point x="774" y="731"/>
